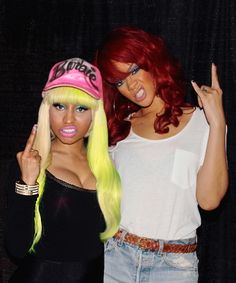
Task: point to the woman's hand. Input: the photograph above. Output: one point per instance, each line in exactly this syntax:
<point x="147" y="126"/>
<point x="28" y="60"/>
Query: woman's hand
<point x="29" y="160"/>
<point x="210" y="99"/>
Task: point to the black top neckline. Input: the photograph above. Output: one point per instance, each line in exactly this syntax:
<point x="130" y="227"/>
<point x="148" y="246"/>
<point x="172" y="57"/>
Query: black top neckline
<point x="68" y="185"/>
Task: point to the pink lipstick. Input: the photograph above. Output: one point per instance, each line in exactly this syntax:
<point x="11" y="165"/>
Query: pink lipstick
<point x="68" y="132"/>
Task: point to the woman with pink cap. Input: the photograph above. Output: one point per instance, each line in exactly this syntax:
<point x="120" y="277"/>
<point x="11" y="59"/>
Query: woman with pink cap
<point x="66" y="196"/>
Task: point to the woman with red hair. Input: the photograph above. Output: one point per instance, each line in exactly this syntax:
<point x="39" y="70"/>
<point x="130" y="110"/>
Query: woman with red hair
<point x="170" y="156"/>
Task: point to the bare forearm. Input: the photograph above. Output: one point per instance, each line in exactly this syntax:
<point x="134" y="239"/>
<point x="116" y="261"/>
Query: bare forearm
<point x="212" y="179"/>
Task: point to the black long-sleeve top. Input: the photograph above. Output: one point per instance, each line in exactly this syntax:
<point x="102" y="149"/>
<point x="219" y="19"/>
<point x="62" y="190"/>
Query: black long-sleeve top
<point x="71" y="218"/>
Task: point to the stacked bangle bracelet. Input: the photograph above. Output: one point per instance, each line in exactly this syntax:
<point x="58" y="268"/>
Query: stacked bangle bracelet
<point x="26" y="190"/>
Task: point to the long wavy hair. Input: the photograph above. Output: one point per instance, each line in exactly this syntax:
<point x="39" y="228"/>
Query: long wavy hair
<point x="107" y="178"/>
<point x="148" y="51"/>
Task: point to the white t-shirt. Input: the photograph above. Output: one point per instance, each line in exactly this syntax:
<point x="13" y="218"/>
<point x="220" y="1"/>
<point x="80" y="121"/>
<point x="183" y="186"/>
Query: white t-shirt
<point x="158" y="180"/>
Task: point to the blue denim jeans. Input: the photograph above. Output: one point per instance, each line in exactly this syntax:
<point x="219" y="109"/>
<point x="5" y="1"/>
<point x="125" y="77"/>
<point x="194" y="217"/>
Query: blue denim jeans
<point x="126" y="263"/>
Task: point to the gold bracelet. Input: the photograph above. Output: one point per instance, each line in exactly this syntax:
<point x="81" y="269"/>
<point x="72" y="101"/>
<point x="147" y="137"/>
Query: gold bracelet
<point x="26" y="190"/>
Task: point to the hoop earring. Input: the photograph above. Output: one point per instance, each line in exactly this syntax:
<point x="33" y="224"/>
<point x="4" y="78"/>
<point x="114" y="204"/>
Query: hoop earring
<point x="52" y="135"/>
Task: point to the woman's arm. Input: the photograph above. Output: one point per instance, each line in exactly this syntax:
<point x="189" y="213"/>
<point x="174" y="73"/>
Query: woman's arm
<point x="212" y="178"/>
<point x="20" y="210"/>
<point x="20" y="217"/>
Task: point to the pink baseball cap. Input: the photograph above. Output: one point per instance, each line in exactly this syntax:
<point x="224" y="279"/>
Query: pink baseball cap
<point x="77" y="73"/>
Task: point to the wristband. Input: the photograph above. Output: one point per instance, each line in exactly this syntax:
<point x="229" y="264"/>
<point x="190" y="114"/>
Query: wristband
<point x="26" y="190"/>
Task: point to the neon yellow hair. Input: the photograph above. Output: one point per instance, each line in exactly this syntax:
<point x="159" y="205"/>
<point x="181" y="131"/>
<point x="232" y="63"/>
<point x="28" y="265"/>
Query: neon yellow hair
<point x="108" y="181"/>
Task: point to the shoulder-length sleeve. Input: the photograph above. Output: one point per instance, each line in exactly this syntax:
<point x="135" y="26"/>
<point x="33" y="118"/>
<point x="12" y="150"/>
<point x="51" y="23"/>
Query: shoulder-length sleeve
<point x="19" y="228"/>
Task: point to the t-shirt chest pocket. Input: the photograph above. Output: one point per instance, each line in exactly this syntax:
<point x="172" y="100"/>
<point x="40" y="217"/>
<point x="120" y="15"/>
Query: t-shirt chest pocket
<point x="184" y="170"/>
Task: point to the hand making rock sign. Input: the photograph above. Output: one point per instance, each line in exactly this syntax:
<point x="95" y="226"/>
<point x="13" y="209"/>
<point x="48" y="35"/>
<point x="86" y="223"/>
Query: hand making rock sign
<point x="210" y="99"/>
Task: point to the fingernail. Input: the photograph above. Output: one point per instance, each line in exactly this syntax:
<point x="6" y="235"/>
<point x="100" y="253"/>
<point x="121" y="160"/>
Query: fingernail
<point x="35" y="127"/>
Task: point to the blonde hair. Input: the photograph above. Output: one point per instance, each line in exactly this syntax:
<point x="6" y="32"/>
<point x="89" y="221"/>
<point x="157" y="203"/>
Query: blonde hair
<point x="108" y="180"/>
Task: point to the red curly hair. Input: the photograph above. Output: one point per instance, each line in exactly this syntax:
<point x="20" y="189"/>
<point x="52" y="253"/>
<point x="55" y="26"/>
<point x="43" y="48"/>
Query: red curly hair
<point x="148" y="51"/>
